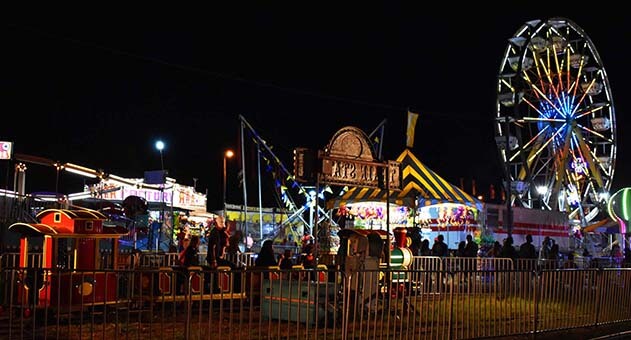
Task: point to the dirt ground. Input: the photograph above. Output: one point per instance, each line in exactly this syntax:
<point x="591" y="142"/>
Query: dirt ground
<point x="614" y="331"/>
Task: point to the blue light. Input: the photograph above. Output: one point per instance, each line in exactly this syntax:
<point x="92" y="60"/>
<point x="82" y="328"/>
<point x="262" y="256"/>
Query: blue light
<point x="564" y="111"/>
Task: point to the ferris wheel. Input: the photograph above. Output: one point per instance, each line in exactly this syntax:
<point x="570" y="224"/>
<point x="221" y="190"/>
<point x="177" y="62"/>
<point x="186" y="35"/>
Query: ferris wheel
<point x="555" y="125"/>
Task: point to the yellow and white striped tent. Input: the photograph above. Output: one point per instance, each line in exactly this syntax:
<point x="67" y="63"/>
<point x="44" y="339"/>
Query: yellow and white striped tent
<point x="419" y="183"/>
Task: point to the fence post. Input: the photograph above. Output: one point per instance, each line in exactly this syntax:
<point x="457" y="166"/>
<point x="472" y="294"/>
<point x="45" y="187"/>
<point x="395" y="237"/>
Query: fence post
<point x="599" y="295"/>
<point x="189" y="312"/>
<point x="536" y="294"/>
<point x="346" y="281"/>
<point x="451" y="304"/>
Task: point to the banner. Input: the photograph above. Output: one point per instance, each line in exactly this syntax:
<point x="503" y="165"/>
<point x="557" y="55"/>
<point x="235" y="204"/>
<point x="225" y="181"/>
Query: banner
<point x="6" y="150"/>
<point x="410" y="130"/>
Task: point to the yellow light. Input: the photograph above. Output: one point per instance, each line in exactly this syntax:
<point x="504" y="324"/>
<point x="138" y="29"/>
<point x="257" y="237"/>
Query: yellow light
<point x="81" y="172"/>
<point x="229" y="153"/>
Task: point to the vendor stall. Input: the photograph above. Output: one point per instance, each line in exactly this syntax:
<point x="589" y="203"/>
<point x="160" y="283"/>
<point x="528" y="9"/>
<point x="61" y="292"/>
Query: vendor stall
<point x="426" y="200"/>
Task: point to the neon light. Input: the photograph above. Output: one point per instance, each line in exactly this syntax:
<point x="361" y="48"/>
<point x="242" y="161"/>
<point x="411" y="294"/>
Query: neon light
<point x="544" y="145"/>
<point x="623" y="226"/>
<point x="579" y="166"/>
<point x="80" y="172"/>
<point x="625" y="204"/>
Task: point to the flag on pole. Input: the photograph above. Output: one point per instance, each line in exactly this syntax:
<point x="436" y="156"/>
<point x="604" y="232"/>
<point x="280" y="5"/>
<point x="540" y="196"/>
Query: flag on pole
<point x="411" y="126"/>
<point x="240" y="178"/>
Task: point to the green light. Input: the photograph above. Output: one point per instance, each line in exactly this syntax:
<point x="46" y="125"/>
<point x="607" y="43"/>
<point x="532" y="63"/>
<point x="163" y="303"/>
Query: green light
<point x="625" y="204"/>
<point x="622" y="201"/>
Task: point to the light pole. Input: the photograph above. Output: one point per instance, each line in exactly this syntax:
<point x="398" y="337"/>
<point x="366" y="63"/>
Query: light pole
<point x="509" y="192"/>
<point x="228" y="154"/>
<point x="58" y="167"/>
<point x="160" y="147"/>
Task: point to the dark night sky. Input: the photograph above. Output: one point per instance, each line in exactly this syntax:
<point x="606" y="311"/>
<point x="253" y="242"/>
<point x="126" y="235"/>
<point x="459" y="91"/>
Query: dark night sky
<point x="99" y="93"/>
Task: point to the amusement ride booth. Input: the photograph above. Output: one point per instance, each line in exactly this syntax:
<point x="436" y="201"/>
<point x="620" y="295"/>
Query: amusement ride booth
<point x="426" y="202"/>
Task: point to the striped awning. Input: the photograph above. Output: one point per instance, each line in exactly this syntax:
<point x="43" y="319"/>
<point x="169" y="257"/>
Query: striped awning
<point x="418" y="182"/>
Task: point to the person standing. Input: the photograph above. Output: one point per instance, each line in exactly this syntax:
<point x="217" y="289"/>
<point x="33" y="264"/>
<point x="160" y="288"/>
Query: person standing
<point x="425" y="249"/>
<point x="266" y="257"/>
<point x="191" y="253"/>
<point x="527" y="249"/>
<point x="307" y="246"/>
<point x="440" y="248"/>
<point x="249" y="242"/>
<point x="508" y="250"/>
<point x="188" y="257"/>
<point x="544" y="252"/>
<point x="553" y="256"/>
<point x="414" y="234"/>
<point x="471" y="249"/>
<point x="527" y="255"/>
<point x="233" y="250"/>
<point x="286" y="261"/>
<point x="460" y="252"/>
<point x="217" y="242"/>
<point x="495" y="250"/>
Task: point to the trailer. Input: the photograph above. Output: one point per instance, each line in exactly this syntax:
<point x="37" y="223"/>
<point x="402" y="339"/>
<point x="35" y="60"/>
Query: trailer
<point x="535" y="222"/>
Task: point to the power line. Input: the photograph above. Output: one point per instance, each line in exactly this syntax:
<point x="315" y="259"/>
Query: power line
<point x="208" y="72"/>
<point x="428" y="114"/>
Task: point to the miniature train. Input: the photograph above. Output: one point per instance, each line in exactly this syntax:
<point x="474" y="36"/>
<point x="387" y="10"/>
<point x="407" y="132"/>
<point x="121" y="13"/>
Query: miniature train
<point x="71" y="274"/>
<point x="365" y="249"/>
<point x="68" y="272"/>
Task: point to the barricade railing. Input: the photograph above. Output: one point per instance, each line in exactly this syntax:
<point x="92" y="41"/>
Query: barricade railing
<point x="468" y="301"/>
<point x="242" y="259"/>
<point x="157" y="260"/>
<point x="13" y="260"/>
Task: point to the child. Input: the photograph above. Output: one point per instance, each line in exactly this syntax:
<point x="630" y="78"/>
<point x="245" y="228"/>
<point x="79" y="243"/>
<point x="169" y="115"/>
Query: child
<point x="286" y="261"/>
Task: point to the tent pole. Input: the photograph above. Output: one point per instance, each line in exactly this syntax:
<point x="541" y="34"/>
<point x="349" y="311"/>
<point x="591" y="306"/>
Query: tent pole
<point x="315" y="213"/>
<point x="245" y="191"/>
<point x="415" y="211"/>
<point x="258" y="149"/>
<point x="388" y="215"/>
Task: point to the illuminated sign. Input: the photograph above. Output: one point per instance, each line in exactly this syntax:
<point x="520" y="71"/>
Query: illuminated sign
<point x="349" y="171"/>
<point x="304" y="164"/>
<point x="349" y="160"/>
<point x="579" y="166"/>
<point x="177" y="195"/>
<point x="6" y="150"/>
<point x="366" y="174"/>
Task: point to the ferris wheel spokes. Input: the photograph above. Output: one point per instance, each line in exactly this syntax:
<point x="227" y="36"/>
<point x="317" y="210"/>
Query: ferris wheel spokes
<point x="552" y="82"/>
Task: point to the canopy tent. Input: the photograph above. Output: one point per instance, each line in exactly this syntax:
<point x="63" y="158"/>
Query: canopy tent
<point x="418" y="183"/>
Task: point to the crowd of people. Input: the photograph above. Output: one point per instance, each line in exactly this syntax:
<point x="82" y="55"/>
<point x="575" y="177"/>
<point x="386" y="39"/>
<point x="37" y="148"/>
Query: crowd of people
<point x="221" y="243"/>
<point x="548" y="252"/>
<point x="221" y="246"/>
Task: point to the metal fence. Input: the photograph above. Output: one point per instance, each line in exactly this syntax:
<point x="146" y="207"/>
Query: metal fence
<point x="449" y="298"/>
<point x="128" y="259"/>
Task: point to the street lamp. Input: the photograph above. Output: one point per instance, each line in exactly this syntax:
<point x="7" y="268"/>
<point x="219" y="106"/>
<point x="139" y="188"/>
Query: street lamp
<point x="228" y="154"/>
<point x="160" y="147"/>
<point x="58" y="167"/>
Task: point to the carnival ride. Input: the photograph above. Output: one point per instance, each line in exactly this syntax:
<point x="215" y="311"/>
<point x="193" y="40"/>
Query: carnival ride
<point x="68" y="273"/>
<point x="62" y="268"/>
<point x="138" y="204"/>
<point x="555" y="123"/>
<point x="299" y="200"/>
